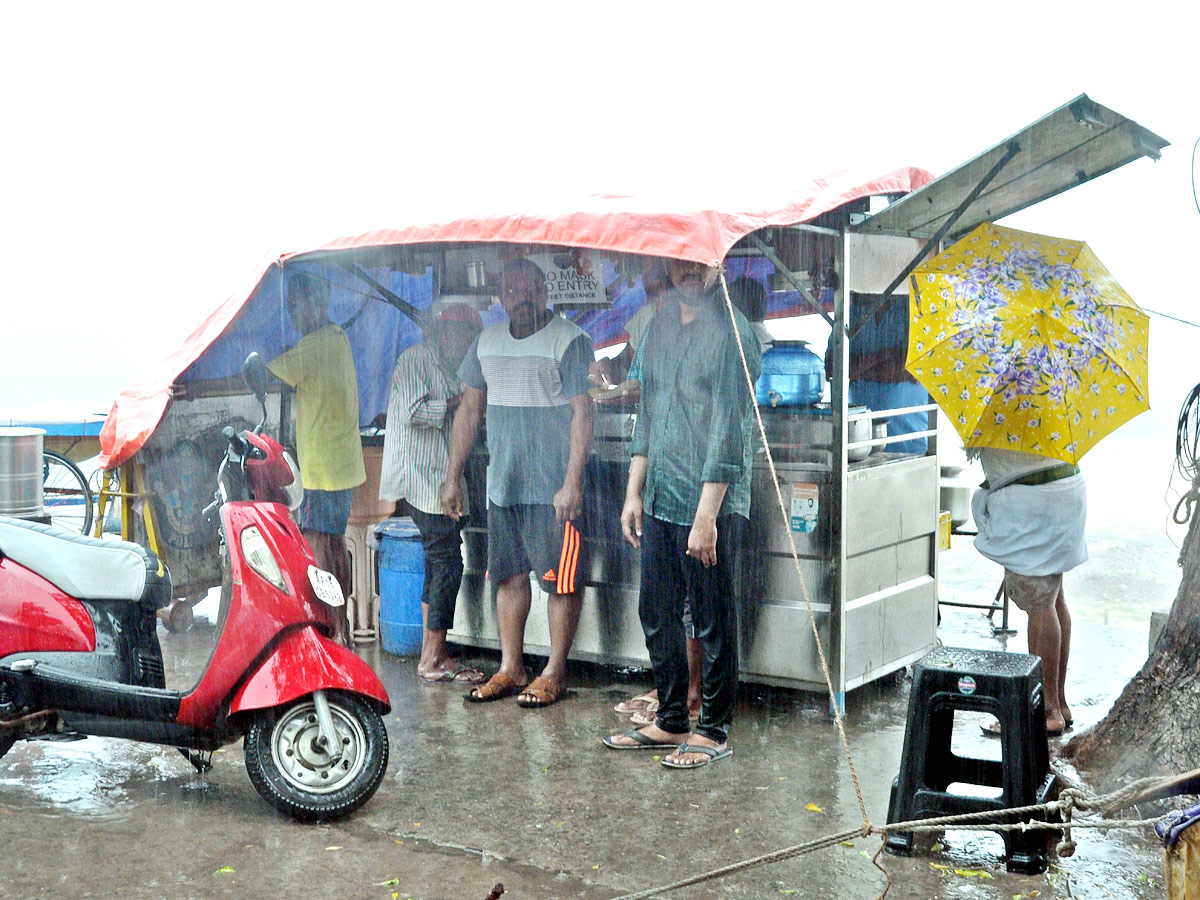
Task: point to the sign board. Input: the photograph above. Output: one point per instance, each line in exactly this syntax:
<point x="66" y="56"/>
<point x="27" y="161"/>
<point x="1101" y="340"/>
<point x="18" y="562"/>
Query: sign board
<point x="574" y="277"/>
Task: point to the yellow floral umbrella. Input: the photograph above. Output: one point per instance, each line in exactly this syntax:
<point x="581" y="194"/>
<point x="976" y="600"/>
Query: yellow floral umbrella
<point x="1027" y="343"/>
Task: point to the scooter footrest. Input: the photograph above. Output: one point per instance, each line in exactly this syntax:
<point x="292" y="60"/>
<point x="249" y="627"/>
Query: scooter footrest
<point x="56" y="688"/>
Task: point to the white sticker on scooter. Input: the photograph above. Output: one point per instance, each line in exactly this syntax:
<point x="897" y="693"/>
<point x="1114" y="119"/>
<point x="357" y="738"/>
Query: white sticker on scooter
<point x="326" y="586"/>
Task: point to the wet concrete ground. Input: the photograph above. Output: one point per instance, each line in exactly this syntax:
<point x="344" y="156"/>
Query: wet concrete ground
<point x="477" y="795"/>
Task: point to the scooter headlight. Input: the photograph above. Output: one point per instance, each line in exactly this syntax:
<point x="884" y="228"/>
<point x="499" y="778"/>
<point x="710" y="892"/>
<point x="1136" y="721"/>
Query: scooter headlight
<point x="260" y="557"/>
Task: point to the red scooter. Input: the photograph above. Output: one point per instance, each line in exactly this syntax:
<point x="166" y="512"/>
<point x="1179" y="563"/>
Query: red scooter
<point x="79" y="651"/>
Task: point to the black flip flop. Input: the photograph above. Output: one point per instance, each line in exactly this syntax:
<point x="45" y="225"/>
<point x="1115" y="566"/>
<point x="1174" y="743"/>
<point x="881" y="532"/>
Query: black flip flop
<point x="712" y="753"/>
<point x="642" y="741"/>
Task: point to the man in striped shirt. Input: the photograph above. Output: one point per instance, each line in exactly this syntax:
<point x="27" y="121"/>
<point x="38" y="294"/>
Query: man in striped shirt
<point x="425" y="393"/>
<point x="530" y="374"/>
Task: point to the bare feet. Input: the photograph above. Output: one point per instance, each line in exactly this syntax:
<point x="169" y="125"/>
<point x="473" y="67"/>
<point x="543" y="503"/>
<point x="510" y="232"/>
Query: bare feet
<point x="1054" y="724"/>
<point x="451" y="672"/>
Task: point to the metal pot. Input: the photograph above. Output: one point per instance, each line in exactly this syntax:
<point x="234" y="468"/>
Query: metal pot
<point x="878" y="431"/>
<point x="955" y="498"/>
<point x="858" y="430"/>
<point x="21" y="471"/>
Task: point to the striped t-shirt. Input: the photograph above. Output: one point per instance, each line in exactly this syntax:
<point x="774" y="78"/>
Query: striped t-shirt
<point x="417" y="441"/>
<point x="529" y="382"/>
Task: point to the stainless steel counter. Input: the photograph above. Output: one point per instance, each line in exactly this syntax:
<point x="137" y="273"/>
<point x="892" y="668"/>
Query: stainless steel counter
<point x="870" y="564"/>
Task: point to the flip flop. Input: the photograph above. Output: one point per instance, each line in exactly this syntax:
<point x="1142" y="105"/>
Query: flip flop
<point x="635" y="704"/>
<point x="642" y="741"/>
<point x="455" y="675"/>
<point x="497" y="687"/>
<point x="712" y="753"/>
<point x="545" y="690"/>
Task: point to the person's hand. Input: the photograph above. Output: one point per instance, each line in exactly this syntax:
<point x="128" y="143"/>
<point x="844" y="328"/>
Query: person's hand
<point x="452" y="499"/>
<point x="453" y="402"/>
<point x="568" y="503"/>
<point x="600" y="372"/>
<point x="702" y="541"/>
<point x="631" y="520"/>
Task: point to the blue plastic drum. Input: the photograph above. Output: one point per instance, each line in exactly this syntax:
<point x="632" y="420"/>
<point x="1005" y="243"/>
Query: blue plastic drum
<point x="401" y="581"/>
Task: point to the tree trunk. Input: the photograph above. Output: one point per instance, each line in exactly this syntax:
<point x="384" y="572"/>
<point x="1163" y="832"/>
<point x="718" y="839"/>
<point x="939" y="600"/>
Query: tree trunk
<point x="1154" y="727"/>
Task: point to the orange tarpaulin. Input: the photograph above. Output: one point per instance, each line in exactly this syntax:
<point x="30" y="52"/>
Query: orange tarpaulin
<point x="701" y="225"/>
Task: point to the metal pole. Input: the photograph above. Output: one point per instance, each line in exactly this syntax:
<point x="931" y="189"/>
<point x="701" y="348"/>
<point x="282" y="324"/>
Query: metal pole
<point x="792" y="279"/>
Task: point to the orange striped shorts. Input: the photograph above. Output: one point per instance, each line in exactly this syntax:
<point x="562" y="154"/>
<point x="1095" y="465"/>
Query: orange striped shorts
<point x="526" y="538"/>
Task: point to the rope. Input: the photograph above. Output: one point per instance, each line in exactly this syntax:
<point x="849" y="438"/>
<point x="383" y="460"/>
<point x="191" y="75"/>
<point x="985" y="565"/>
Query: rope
<point x="1189" y="499"/>
<point x="1071" y="802"/>
<point x="812" y="619"/>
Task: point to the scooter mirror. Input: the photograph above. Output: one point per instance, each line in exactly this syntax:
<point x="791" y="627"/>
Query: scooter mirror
<point x="254" y="370"/>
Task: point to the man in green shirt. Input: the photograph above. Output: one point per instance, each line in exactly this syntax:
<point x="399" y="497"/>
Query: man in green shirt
<point x="687" y="505"/>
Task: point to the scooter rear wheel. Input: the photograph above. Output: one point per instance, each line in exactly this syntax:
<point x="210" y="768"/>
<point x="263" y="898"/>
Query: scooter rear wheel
<point x="293" y="772"/>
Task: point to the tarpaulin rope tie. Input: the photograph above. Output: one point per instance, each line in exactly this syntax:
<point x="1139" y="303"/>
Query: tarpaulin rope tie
<point x="1188" y="500"/>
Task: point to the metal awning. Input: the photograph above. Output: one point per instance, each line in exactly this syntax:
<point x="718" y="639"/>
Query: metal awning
<point x="1074" y="144"/>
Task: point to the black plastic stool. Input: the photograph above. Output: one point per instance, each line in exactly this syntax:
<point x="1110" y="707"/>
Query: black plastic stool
<point x="1007" y="685"/>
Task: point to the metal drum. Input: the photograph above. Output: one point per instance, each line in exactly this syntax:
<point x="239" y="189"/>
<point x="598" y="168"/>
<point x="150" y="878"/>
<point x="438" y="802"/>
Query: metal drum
<point x="21" y="471"/>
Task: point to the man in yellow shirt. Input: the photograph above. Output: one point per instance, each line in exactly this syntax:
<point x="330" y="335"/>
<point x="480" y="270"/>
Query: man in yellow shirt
<point x="321" y="369"/>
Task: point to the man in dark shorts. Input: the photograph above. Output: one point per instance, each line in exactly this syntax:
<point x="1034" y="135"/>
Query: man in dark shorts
<point x="530" y="375"/>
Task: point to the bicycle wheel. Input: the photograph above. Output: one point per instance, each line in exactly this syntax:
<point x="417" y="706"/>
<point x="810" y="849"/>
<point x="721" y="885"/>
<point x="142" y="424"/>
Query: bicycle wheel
<point x="65" y="493"/>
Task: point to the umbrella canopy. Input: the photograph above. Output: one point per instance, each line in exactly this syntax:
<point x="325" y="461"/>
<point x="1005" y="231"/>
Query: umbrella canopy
<point x="1027" y="343"/>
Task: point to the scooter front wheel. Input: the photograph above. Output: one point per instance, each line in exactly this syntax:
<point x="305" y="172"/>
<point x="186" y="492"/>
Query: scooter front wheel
<point x="294" y="771"/>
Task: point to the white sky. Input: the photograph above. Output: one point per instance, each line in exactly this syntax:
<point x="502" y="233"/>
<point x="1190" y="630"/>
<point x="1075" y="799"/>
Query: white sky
<point x="154" y="153"/>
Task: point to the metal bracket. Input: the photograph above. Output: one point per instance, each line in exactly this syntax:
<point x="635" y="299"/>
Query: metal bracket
<point x="787" y="274"/>
<point x="388" y="296"/>
<point x="201" y="761"/>
<point x="887" y="299"/>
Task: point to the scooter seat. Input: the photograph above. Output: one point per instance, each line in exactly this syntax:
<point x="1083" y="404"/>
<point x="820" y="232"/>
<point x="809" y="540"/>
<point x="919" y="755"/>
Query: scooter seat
<point x="84" y="567"/>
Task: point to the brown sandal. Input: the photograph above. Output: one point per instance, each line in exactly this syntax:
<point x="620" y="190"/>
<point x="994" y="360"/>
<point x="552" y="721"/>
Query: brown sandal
<point x="497" y="687"/>
<point x="545" y="690"/>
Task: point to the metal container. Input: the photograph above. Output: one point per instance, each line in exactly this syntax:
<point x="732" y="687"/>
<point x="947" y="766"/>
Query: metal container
<point x="878" y="432"/>
<point x="21" y="472"/>
<point x="858" y="430"/>
<point x="798" y="434"/>
<point x="476" y="274"/>
<point x="954" y="495"/>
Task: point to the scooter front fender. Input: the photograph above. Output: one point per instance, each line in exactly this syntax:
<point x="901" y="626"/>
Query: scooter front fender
<point x="303" y="662"/>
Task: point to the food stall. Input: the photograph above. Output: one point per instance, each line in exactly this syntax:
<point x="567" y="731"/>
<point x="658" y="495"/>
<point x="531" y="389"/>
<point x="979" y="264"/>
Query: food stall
<point x="843" y="524"/>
